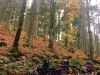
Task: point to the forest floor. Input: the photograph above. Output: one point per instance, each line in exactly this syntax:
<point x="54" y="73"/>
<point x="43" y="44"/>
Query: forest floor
<point x="40" y="49"/>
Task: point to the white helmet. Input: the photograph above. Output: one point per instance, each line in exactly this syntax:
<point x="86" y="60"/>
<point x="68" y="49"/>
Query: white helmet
<point x="65" y="60"/>
<point x="89" y="61"/>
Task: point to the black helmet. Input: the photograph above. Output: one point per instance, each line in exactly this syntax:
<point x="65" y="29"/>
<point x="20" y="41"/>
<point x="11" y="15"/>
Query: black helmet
<point x="45" y="60"/>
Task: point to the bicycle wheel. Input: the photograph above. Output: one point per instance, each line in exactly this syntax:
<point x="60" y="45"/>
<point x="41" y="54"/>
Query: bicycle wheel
<point x="75" y="71"/>
<point x="50" y="73"/>
<point x="93" y="73"/>
<point x="63" y="72"/>
<point x="89" y="74"/>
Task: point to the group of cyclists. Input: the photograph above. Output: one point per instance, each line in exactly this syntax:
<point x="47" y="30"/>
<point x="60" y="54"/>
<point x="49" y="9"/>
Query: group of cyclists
<point x="47" y="69"/>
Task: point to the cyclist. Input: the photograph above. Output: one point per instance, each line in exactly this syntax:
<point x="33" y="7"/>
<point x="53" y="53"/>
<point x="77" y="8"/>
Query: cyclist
<point x="45" y="67"/>
<point x="46" y="64"/>
<point x="88" y="66"/>
<point x="65" y="64"/>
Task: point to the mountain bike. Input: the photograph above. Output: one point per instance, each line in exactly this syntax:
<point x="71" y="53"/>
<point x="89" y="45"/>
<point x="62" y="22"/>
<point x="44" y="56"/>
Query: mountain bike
<point x="88" y="72"/>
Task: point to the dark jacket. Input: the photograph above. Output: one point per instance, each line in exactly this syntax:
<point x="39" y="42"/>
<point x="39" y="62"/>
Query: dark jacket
<point x="45" y="65"/>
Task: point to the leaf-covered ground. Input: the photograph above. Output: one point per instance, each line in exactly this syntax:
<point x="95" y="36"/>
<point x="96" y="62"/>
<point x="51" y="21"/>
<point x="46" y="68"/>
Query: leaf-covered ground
<point x="33" y="57"/>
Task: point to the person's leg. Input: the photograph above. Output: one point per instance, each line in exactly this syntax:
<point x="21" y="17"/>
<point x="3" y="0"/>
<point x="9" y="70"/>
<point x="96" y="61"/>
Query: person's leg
<point x="85" y="69"/>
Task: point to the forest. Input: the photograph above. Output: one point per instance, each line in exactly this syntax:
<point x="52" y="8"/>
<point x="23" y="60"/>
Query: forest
<point x="33" y="31"/>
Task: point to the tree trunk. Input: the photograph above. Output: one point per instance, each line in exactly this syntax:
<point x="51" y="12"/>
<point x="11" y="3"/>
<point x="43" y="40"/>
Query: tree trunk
<point x="9" y="14"/>
<point x="52" y="17"/>
<point x="89" y="31"/>
<point x="83" y="39"/>
<point x="36" y="20"/>
<point x="17" y="37"/>
<point x="59" y="28"/>
<point x="66" y="37"/>
<point x="32" y="23"/>
<point x="97" y="44"/>
<point x="45" y="27"/>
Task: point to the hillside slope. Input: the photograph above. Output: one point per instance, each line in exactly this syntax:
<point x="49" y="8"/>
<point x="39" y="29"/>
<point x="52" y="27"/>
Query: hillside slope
<point x="39" y="45"/>
<point x="40" y="50"/>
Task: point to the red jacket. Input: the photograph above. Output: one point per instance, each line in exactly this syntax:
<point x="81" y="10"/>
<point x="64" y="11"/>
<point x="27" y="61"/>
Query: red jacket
<point x="89" y="65"/>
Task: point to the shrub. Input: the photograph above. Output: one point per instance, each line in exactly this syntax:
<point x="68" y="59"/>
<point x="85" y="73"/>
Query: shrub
<point x="56" y="56"/>
<point x="76" y="62"/>
<point x="2" y="44"/>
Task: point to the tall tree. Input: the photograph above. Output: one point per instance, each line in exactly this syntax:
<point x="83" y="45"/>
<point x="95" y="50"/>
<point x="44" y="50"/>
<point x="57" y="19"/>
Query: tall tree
<point x="89" y="31"/>
<point x="33" y="23"/>
<point x="52" y="18"/>
<point x="83" y="28"/>
<point x="14" y="48"/>
<point x="9" y="14"/>
<point x="37" y="18"/>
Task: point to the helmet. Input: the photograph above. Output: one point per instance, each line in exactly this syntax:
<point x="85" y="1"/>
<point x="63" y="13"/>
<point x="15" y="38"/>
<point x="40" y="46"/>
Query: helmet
<point x="89" y="61"/>
<point x="45" y="60"/>
<point x="65" y="60"/>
